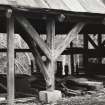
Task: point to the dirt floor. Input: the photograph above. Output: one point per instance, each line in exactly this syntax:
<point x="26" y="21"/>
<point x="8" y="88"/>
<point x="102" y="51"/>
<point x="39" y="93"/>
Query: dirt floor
<point x="93" y="97"/>
<point x="96" y="98"/>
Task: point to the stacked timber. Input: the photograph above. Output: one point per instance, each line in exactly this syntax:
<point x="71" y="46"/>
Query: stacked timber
<point x="76" y="86"/>
<point x="94" y="85"/>
<point x="69" y="85"/>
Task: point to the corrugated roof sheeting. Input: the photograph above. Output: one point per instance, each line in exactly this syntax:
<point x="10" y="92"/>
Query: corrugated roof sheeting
<point x="56" y="4"/>
<point x="92" y="6"/>
<point x="74" y="5"/>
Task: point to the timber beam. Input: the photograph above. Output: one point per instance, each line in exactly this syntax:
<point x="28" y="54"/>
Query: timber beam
<point x="52" y="53"/>
<point x="41" y="64"/>
<point x="10" y="55"/>
<point x="71" y="36"/>
<point x="50" y="28"/>
<point x="34" y="35"/>
<point x="91" y="41"/>
<point x="17" y="50"/>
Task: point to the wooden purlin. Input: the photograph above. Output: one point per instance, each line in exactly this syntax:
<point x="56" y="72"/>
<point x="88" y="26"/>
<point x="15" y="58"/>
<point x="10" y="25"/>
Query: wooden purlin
<point x="10" y="55"/>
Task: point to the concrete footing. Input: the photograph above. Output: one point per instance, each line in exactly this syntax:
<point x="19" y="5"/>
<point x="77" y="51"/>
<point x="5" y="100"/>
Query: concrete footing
<point x="50" y="96"/>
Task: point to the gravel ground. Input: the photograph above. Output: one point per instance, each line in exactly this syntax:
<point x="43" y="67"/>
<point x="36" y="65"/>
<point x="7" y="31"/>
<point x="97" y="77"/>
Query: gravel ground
<point x="98" y="98"/>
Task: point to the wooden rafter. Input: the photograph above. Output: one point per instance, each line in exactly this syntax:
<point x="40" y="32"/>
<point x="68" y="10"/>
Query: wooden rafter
<point x="71" y="35"/>
<point x="99" y="45"/>
<point x="34" y="34"/>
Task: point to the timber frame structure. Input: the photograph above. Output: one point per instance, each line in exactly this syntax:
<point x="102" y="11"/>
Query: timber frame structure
<point x="30" y="23"/>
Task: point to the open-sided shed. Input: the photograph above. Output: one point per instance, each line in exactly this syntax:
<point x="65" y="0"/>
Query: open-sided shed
<point x="31" y="18"/>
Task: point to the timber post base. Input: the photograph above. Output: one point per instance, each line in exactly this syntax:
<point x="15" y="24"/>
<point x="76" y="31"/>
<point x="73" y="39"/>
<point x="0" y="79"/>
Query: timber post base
<point x="50" y="96"/>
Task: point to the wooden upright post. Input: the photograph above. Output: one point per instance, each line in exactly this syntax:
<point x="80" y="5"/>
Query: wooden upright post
<point x="10" y="55"/>
<point x="99" y="45"/>
<point x="50" y="42"/>
<point x="86" y="49"/>
<point x="72" y="60"/>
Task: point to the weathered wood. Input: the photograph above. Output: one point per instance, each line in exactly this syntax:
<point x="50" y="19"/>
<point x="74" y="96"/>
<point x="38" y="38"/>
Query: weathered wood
<point x="42" y="66"/>
<point x="85" y="56"/>
<point x="16" y="50"/>
<point x="92" y="42"/>
<point x="10" y="60"/>
<point x="86" y="83"/>
<point x="69" y="91"/>
<point x="50" y="41"/>
<point x="72" y="60"/>
<point x="71" y="35"/>
<point x="34" y="34"/>
<point x="99" y="45"/>
<point x="32" y="67"/>
<point x="103" y="44"/>
<point x="90" y="52"/>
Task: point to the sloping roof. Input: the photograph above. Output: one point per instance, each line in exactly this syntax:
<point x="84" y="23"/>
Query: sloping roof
<point x="92" y="6"/>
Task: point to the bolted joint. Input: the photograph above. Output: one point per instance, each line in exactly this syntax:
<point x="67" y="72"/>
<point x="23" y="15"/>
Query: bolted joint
<point x="9" y="13"/>
<point x="61" y="17"/>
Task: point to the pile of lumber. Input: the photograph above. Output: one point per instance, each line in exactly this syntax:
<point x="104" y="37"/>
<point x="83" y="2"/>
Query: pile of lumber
<point x="69" y="85"/>
<point x="95" y="85"/>
<point x="76" y="86"/>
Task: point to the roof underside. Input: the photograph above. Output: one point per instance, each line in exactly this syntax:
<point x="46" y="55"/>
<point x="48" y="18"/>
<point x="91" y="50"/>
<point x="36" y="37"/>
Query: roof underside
<point x="91" y="6"/>
<point x="89" y="11"/>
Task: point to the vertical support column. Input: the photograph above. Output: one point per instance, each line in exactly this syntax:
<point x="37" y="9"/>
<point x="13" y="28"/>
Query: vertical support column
<point x="72" y="60"/>
<point x="99" y="45"/>
<point x="69" y="64"/>
<point x="32" y="67"/>
<point x="10" y="55"/>
<point x="51" y="44"/>
<point x="86" y="50"/>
